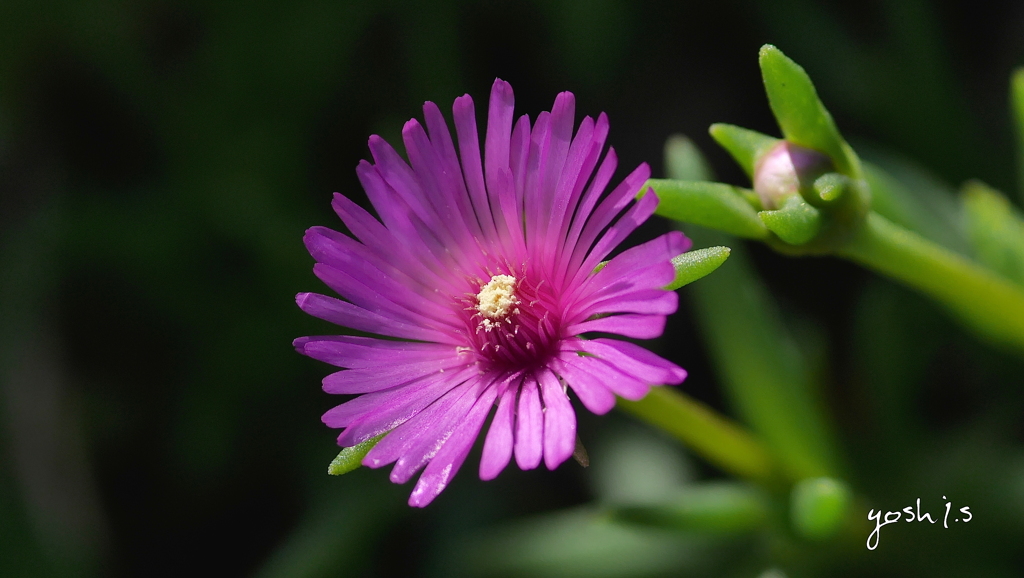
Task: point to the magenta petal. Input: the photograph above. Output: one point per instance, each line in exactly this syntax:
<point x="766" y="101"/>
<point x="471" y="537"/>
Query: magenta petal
<point x="499" y="130"/>
<point x="498" y="445"/>
<point x="352" y="351"/>
<point x="634" y="360"/>
<point x="343" y="313"/>
<point x="559" y="422"/>
<point x="634" y="217"/>
<point x="635" y="326"/>
<point x="385" y="410"/>
<point x="376" y="379"/>
<point x="592" y="392"/>
<point x="621" y="383"/>
<point x="529" y="426"/>
<point x="644" y="301"/>
<point x="443" y="467"/>
<point x="472" y="167"/>
<point x="431" y="428"/>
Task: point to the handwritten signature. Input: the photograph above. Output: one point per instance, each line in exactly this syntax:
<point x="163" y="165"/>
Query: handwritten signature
<point x="908" y="515"/>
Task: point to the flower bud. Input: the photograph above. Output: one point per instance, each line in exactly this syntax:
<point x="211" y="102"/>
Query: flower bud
<point x="786" y="169"/>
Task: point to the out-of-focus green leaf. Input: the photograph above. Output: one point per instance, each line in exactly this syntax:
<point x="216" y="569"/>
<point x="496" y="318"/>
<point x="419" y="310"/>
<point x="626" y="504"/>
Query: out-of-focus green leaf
<point x="819" y="507"/>
<point x="685" y="159"/>
<point x="911" y="197"/>
<point x="693" y="265"/>
<point x="995" y="229"/>
<point x="637" y="465"/>
<point x="760" y="365"/>
<point x="715" y="205"/>
<point x="720" y="507"/>
<point x="795" y="223"/>
<point x="352" y="457"/>
<point x="745" y="146"/>
<point x="583" y="543"/>
<point x="804" y="120"/>
<point x="1017" y="104"/>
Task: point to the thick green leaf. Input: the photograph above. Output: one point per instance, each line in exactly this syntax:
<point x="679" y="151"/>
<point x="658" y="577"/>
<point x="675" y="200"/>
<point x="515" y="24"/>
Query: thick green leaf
<point x="715" y="205"/>
<point x="351" y="458"/>
<point x="995" y="229"/>
<point x="795" y="223"/>
<point x="819" y="507"/>
<point x="720" y="507"/>
<point x="696" y="264"/>
<point x="804" y="120"/>
<point x="745" y="146"/>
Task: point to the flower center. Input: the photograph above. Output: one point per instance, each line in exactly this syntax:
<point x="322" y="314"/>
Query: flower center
<point x="515" y="324"/>
<point x="496" y="300"/>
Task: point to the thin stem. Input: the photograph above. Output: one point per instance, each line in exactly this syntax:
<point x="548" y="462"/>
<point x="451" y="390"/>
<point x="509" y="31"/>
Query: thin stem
<point x="716" y="438"/>
<point x="988" y="303"/>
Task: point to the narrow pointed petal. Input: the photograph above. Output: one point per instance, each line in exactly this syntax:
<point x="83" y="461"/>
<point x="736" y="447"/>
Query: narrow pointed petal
<point x="559" y="422"/>
<point x="529" y="444"/>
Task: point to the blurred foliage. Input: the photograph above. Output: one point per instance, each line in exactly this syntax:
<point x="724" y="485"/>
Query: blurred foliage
<point x="160" y="160"/>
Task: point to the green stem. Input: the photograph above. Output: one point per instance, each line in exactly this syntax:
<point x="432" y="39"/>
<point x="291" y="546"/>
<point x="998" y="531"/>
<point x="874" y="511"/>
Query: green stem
<point x="714" y="437"/>
<point x="988" y="303"/>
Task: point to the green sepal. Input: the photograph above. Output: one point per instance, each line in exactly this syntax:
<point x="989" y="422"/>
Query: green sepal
<point x="803" y="118"/>
<point x="693" y="265"/>
<point x="720" y="507"/>
<point x="715" y="205"/>
<point x="746" y="146"/>
<point x="995" y="230"/>
<point x="819" y="507"/>
<point x="829" y="187"/>
<point x="351" y="458"/>
<point x="795" y="223"/>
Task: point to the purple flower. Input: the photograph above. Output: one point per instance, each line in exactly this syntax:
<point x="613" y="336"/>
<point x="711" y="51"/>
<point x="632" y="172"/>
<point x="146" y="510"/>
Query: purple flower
<point x="483" y="269"/>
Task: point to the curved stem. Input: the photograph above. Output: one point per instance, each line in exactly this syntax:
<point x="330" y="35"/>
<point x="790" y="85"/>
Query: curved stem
<point x="717" y="439"/>
<point x="988" y="303"/>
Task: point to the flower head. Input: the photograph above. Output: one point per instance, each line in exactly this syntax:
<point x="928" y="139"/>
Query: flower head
<point x="482" y="270"/>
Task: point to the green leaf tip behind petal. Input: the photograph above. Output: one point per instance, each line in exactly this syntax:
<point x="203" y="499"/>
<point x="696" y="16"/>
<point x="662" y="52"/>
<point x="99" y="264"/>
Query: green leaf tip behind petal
<point x="714" y="205"/>
<point x="746" y="146"/>
<point x="352" y="458"/>
<point x="803" y="118"/>
<point x="695" y="264"/>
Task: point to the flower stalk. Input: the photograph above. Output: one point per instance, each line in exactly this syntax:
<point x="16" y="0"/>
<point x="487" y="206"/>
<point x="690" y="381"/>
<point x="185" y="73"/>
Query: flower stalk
<point x="717" y="439"/>
<point x="989" y="304"/>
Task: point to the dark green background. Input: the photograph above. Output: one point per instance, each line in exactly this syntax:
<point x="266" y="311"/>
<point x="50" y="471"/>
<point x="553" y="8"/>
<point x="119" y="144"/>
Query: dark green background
<point x="159" y="162"/>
